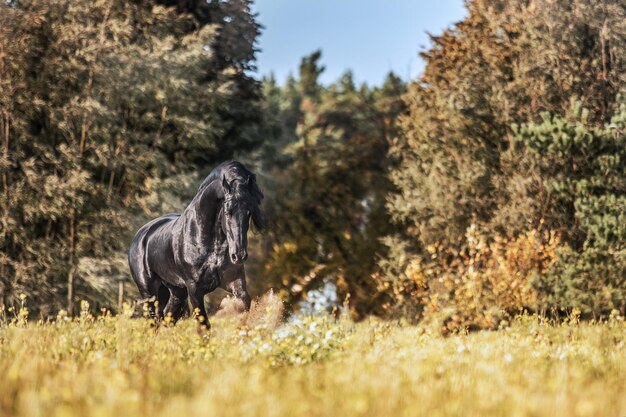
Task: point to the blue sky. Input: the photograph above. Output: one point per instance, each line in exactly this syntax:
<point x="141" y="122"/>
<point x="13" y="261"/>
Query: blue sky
<point x="370" y="37"/>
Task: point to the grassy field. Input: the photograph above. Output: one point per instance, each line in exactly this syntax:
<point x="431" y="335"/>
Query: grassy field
<point x="261" y="366"/>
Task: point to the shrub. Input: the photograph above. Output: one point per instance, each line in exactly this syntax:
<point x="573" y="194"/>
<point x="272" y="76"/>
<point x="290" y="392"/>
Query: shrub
<point x="582" y="177"/>
<point x="490" y="281"/>
<point x="476" y="287"/>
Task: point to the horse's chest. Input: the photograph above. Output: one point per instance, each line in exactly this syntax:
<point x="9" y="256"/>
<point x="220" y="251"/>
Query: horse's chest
<point x="204" y="268"/>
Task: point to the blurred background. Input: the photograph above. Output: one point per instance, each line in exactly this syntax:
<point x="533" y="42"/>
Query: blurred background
<point x="457" y="160"/>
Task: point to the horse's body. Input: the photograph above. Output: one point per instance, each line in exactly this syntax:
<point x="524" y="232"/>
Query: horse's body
<point x="175" y="257"/>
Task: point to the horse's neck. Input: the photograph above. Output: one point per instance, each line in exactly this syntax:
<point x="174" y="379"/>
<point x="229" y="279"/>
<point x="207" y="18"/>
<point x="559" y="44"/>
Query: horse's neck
<point x="202" y="222"/>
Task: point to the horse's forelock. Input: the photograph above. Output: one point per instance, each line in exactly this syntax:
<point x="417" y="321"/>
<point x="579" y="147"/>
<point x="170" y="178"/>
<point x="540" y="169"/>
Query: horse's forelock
<point x="244" y="185"/>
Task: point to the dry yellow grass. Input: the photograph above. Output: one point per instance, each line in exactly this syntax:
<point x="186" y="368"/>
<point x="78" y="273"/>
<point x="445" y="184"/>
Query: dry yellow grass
<point x="118" y="366"/>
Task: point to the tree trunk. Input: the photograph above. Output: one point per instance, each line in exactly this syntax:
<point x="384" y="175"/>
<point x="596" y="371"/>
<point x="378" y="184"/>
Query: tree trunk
<point x="5" y="189"/>
<point x="72" y="269"/>
<point x="120" y="296"/>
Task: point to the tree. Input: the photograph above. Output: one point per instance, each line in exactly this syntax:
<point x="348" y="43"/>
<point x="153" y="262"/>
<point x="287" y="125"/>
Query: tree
<point x="460" y="162"/>
<point x="329" y="183"/>
<point x="582" y="185"/>
<point x="505" y="63"/>
<point x="115" y="98"/>
<point x="233" y="49"/>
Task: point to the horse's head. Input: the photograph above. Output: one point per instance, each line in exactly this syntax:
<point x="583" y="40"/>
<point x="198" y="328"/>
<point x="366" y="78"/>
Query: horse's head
<point x="242" y="200"/>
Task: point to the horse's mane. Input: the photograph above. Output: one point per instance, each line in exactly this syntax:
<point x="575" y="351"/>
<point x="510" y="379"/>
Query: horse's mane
<point x="216" y="174"/>
<point x="232" y="171"/>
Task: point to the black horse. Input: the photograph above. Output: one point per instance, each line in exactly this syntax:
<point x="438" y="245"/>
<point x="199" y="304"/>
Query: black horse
<point x="189" y="255"/>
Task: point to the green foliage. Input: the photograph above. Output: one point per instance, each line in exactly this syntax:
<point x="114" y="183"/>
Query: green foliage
<point x="102" y="102"/>
<point x="329" y="182"/>
<point x="583" y="175"/>
<point x="111" y="110"/>
<point x="234" y="106"/>
<point x="505" y="63"/>
<point x="463" y="159"/>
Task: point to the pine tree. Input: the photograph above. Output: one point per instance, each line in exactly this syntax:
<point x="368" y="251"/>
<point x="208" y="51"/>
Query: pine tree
<point x="459" y="163"/>
<point x="581" y="168"/>
<point x="329" y="184"/>
<point x="505" y="63"/>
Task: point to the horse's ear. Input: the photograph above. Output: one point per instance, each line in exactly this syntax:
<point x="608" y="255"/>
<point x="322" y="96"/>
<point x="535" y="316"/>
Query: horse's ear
<point x="226" y="185"/>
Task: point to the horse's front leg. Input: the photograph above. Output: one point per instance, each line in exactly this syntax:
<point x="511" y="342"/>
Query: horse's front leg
<point x="234" y="281"/>
<point x="196" y="298"/>
<point x="238" y="289"/>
